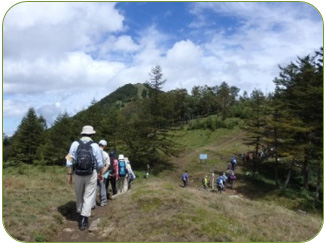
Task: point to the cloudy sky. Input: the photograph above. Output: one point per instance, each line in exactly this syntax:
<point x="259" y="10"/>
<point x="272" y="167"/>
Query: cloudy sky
<point x="58" y="57"/>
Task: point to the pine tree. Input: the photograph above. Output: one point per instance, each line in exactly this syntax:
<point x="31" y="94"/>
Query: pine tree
<point x="300" y="88"/>
<point x="28" y="137"/>
<point x="255" y="124"/>
<point x="58" y="141"/>
<point x="155" y="115"/>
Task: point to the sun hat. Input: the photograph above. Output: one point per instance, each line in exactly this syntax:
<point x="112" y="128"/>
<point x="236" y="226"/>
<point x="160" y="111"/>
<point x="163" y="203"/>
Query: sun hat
<point x="121" y="157"/>
<point x="88" y="130"/>
<point x="103" y="143"/>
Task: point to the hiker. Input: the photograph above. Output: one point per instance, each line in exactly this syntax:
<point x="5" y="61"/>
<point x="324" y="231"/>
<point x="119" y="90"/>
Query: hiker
<point x="205" y="182"/>
<point x="131" y="175"/>
<point x="86" y="158"/>
<point x="233" y="162"/>
<point x="229" y="173"/>
<point x="122" y="174"/>
<point x="224" y="178"/>
<point x="219" y="184"/>
<point x="232" y="179"/>
<point x="229" y="166"/>
<point x="185" y="178"/>
<point x="247" y="156"/>
<point x="113" y="173"/>
<point x="103" y="184"/>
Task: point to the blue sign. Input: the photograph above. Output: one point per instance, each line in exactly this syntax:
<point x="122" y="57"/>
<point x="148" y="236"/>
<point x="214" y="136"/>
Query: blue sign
<point x="203" y="156"/>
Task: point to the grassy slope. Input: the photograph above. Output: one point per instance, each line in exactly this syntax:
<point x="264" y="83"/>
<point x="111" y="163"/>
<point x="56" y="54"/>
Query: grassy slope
<point x="38" y="205"/>
<point x="159" y="210"/>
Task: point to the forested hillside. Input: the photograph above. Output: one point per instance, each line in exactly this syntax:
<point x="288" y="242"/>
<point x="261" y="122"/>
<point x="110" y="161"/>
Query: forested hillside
<point x="284" y="129"/>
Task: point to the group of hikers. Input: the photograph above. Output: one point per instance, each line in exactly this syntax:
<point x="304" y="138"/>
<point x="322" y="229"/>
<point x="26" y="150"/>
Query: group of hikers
<point x="221" y="180"/>
<point x="94" y="170"/>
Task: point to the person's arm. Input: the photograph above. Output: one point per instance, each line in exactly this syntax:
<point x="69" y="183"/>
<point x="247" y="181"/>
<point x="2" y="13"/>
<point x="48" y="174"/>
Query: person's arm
<point x="69" y="174"/>
<point x="99" y="160"/>
<point x="69" y="161"/>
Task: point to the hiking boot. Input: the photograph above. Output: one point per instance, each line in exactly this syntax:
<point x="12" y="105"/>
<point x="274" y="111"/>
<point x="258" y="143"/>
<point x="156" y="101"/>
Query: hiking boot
<point x="83" y="223"/>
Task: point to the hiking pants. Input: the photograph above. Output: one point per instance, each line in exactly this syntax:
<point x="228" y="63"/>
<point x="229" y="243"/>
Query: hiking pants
<point x="184" y="183"/>
<point x="85" y="188"/>
<point x="113" y="182"/>
<point x="121" y="184"/>
<point x="103" y="192"/>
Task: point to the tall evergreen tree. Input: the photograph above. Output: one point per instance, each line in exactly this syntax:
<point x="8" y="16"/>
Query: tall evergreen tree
<point x="255" y="123"/>
<point x="58" y="140"/>
<point x="155" y="114"/>
<point x="300" y="87"/>
<point x="28" y="137"/>
<point x="225" y="98"/>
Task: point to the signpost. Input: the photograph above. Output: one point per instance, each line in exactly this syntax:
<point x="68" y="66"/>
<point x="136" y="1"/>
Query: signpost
<point x="203" y="157"/>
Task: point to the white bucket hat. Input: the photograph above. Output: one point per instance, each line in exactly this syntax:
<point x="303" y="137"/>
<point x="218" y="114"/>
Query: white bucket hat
<point x="121" y="157"/>
<point x="88" y="130"/>
<point x="103" y="143"/>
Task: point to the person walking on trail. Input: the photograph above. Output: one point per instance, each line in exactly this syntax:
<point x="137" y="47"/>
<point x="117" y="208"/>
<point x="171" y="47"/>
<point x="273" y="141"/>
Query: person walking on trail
<point x="122" y="174"/>
<point x="85" y="158"/>
<point x="131" y="175"/>
<point x="103" y="184"/>
<point x="229" y="173"/>
<point x="113" y="173"/>
<point x="233" y="162"/>
<point x="184" y="178"/>
<point x="224" y="178"/>
<point x="232" y="179"/>
<point x="219" y="183"/>
<point x="205" y="182"/>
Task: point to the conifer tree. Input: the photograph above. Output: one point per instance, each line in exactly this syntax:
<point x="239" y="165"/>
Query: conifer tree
<point x="300" y="87"/>
<point x="155" y="115"/>
<point x="28" y="137"/>
<point x="58" y="140"/>
<point x="255" y="123"/>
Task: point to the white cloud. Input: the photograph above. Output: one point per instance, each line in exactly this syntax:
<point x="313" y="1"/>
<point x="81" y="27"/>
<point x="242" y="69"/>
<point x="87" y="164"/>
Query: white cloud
<point x="12" y="108"/>
<point x="40" y="75"/>
<point x="69" y="53"/>
<point x="50" y="29"/>
<point x="265" y="35"/>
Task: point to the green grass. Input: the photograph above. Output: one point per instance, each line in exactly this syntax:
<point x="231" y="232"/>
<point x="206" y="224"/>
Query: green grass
<point x="38" y="200"/>
<point x="31" y="198"/>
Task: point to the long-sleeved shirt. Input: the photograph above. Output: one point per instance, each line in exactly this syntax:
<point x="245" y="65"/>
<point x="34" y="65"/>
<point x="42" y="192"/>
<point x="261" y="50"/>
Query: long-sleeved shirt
<point x="95" y="149"/>
<point x="184" y="176"/>
<point x="115" y="168"/>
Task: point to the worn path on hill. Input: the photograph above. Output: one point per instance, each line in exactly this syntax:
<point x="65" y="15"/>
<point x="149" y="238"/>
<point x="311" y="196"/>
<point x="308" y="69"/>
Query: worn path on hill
<point x="71" y="233"/>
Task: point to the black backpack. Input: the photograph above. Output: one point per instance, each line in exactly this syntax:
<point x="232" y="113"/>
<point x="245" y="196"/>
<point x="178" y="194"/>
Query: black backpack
<point x="85" y="162"/>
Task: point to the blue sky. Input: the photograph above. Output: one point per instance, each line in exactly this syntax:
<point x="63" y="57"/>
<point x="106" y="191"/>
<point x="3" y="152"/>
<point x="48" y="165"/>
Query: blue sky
<point x="58" y="57"/>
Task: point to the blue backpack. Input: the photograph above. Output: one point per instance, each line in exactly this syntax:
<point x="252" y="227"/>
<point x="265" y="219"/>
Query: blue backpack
<point x="219" y="181"/>
<point x="122" y="168"/>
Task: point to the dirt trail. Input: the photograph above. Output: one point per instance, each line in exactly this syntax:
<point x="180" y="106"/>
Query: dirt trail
<point x="71" y="233"/>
